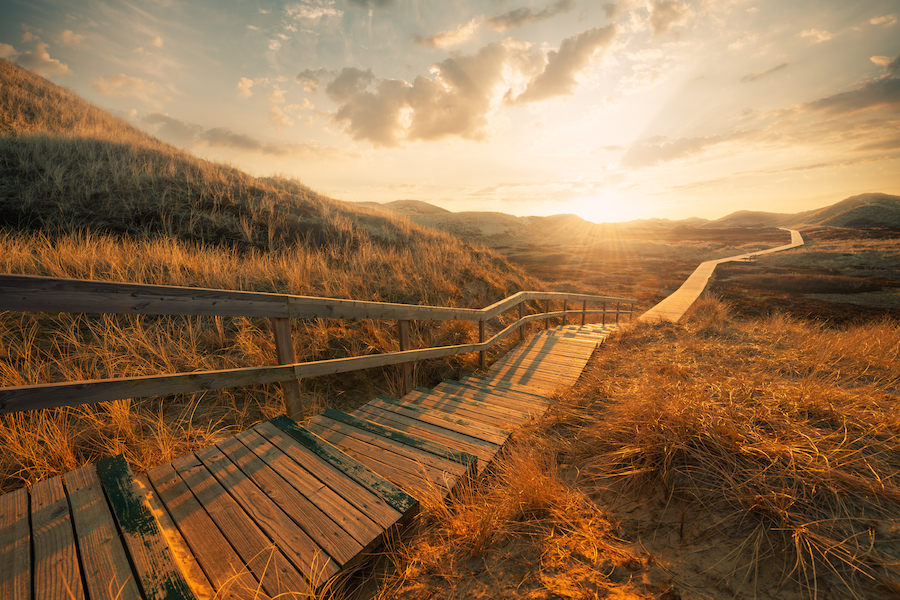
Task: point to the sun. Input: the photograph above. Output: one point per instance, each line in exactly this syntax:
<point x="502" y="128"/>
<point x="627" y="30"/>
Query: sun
<point x="609" y="206"/>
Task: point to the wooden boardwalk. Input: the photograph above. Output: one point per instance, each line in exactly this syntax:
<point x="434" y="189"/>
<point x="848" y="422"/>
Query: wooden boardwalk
<point x="277" y="510"/>
<point x="674" y="306"/>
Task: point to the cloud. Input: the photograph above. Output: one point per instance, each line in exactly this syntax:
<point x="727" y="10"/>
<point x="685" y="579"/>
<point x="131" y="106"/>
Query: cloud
<point x="882" y="93"/>
<point x="816" y="35"/>
<point x="8" y="52"/>
<point x="244" y="87"/>
<point x="278" y="118"/>
<point x="157" y="42"/>
<point x="525" y="16"/>
<point x="445" y="39"/>
<point x="656" y="150"/>
<point x="463" y="93"/>
<point x="311" y="78"/>
<point x="761" y="74"/>
<point x="886" y="20"/>
<point x="39" y="61"/>
<point x="124" y="86"/>
<point x="574" y="55"/>
<point x="190" y="135"/>
<point x="70" y="38"/>
<point x="666" y="14"/>
<point x="375" y="3"/>
<point x="311" y="12"/>
<point x="881" y="61"/>
<point x="277" y="95"/>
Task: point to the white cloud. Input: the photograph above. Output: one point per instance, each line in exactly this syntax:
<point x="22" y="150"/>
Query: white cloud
<point x="124" y="86"/>
<point x="244" y="87"/>
<point x="886" y="20"/>
<point x="278" y="118"/>
<point x="70" y="38"/>
<point x="815" y="35"/>
<point x="445" y="39"/>
<point x="277" y="95"/>
<point x="157" y="42"/>
<point x="881" y="61"/>
<point x="666" y="14"/>
<point x="39" y="61"/>
<point x="307" y="11"/>
<point x="8" y="52"/>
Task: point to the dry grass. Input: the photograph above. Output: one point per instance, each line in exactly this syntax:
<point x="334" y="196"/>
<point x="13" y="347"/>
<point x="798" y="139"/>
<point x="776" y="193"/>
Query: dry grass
<point x="809" y="284"/>
<point x="85" y="195"/>
<point x="728" y="459"/>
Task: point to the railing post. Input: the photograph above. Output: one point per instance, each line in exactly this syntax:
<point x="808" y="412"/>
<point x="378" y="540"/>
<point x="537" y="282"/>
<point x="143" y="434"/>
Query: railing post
<point x="565" y="310"/>
<point x="482" y="356"/>
<point x="284" y="348"/>
<point x="583" y="311"/>
<point x="604" y="313"/>
<point x="617" y="313"/>
<point x="546" y="310"/>
<point x="522" y="316"/>
<point x="631" y="313"/>
<point x="405" y="368"/>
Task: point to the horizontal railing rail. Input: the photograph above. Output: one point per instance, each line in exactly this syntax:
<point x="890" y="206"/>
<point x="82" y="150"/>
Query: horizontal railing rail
<point x="48" y="294"/>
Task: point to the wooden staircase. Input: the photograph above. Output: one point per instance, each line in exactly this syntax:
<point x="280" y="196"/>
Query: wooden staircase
<point x="279" y="509"/>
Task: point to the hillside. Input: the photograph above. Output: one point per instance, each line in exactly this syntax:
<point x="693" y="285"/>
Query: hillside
<point x="857" y="212"/>
<point x="83" y="194"/>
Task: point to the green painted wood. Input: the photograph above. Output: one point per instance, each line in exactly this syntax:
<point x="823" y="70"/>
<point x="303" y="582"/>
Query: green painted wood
<point x="157" y="573"/>
<point x="381" y="487"/>
<point x="462" y="458"/>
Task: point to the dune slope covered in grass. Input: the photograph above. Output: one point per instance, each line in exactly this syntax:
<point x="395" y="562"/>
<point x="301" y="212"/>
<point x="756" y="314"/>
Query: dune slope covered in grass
<point x="85" y="195"/>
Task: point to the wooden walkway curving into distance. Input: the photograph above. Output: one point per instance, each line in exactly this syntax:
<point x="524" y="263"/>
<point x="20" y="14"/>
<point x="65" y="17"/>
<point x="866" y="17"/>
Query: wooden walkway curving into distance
<point x="279" y="509"/>
<point x="674" y="306"/>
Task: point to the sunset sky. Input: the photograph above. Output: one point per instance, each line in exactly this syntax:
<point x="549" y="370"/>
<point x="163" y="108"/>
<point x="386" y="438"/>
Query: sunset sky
<point x="610" y="110"/>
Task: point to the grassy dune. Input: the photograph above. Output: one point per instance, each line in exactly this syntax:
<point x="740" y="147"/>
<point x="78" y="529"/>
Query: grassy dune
<point x="720" y="458"/>
<point x="85" y="195"/>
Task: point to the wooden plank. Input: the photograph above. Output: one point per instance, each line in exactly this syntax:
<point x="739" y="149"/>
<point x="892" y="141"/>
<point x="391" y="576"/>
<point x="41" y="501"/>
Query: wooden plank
<point x="480" y="385"/>
<point x="292" y="541"/>
<point x="462" y="458"/>
<point x="405" y="458"/>
<point x="352" y="520"/>
<point x="348" y="488"/>
<point x="15" y="546"/>
<point x="506" y="415"/>
<point x="178" y="547"/>
<point x="57" y="574"/>
<point x="394" y="496"/>
<point x="324" y="533"/>
<point x="220" y="562"/>
<point x="103" y="558"/>
<point x="457" y="409"/>
<point x="485" y="451"/>
<point x="475" y="429"/>
<point x="156" y="571"/>
<point x="526" y="404"/>
<point x="265" y="559"/>
<point x="406" y="474"/>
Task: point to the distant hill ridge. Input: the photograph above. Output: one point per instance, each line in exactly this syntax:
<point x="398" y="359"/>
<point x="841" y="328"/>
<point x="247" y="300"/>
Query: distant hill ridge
<point x="863" y="211"/>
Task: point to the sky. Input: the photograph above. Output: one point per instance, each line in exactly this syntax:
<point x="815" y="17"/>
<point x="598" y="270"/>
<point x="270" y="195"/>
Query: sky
<point x="612" y="110"/>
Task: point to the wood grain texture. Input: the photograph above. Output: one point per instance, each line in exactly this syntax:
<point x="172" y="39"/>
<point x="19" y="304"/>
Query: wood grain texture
<point x="15" y="546"/>
<point x="57" y="574"/>
<point x="103" y="556"/>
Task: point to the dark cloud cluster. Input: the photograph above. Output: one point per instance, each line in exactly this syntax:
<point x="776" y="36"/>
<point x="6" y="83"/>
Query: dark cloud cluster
<point x="462" y="92"/>
<point x="525" y="16"/>
<point x="666" y="14"/>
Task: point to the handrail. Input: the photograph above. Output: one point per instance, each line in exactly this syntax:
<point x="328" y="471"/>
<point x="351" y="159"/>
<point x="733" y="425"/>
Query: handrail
<point x="50" y="294"/>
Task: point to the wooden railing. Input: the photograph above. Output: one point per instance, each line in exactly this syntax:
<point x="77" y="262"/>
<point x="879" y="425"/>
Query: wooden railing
<point x="54" y="295"/>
